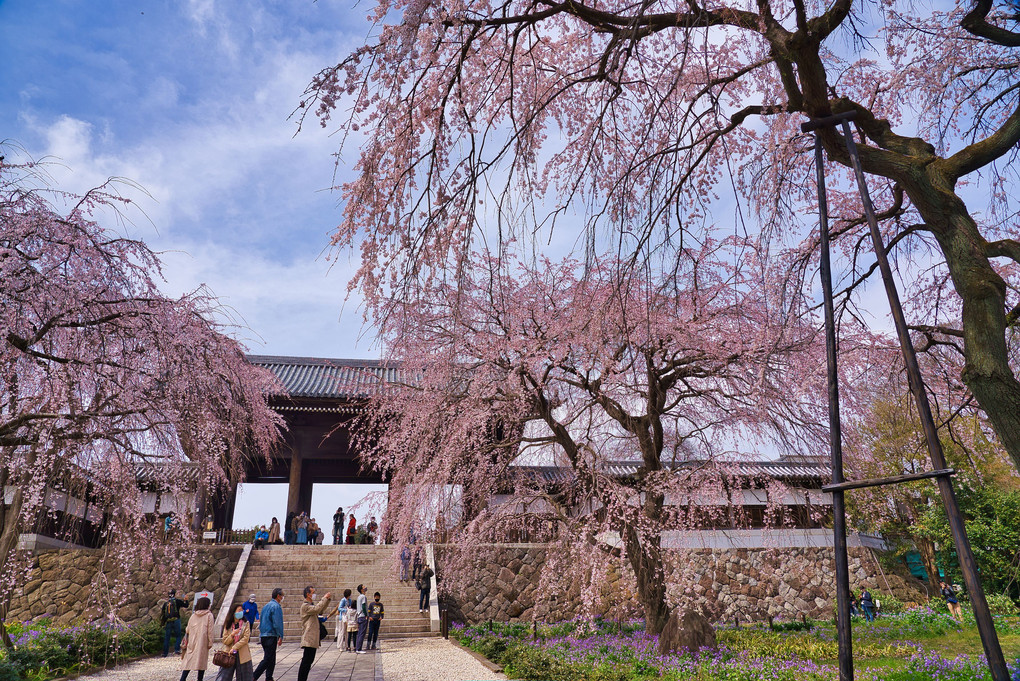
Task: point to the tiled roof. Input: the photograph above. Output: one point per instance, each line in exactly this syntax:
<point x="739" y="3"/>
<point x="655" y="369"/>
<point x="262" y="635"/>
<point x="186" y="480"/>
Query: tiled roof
<point x="785" y="469"/>
<point x="330" y="378"/>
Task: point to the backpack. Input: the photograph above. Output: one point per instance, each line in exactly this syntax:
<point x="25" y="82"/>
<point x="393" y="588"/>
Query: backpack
<point x="352" y="617"/>
<point x="163" y="616"/>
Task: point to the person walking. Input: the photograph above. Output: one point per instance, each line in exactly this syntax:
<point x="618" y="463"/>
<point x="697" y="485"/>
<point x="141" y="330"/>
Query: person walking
<point x="376" y="612"/>
<point x="405" y="562"/>
<point x="170" y="618"/>
<point x="310" y="639"/>
<point x="274" y="532"/>
<point x="952" y="602"/>
<point x="341" y="620"/>
<point x="338" y="526"/>
<point x="236" y="634"/>
<point x="200" y="637"/>
<point x="868" y="605"/>
<point x="426" y="588"/>
<point x="362" y="608"/>
<point x="251" y="611"/>
<point x="271" y="630"/>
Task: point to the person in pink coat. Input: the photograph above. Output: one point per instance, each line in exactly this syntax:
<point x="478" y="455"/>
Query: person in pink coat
<point x="200" y="638"/>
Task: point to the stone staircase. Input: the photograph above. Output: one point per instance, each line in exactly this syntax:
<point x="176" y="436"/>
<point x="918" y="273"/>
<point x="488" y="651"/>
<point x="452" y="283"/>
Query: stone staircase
<point x="334" y="568"/>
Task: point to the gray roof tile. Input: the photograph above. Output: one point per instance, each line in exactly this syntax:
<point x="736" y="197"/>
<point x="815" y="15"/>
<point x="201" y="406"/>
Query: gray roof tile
<point x="330" y="378"/>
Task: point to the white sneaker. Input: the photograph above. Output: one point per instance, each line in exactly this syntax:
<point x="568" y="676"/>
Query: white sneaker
<point x="361" y="652"/>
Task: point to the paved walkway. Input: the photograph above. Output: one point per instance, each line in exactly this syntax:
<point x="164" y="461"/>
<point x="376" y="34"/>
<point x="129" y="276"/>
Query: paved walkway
<point x="329" y="664"/>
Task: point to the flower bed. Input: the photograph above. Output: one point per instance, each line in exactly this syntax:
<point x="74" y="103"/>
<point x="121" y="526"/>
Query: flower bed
<point x="603" y="651"/>
<point x="43" y="651"/>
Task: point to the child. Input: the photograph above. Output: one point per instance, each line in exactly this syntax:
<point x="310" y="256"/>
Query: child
<point x="352" y="625"/>
<point x="375" y="614"/>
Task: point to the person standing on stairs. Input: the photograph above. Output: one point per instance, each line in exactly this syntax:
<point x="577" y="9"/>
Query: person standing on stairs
<point x="338" y="526"/>
<point x="425" y="582"/>
<point x="271" y="630"/>
<point x="310" y="639"/>
<point x="362" y="618"/>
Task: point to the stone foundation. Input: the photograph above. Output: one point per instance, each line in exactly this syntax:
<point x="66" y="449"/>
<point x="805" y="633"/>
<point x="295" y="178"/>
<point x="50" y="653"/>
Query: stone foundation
<point x="727" y="584"/>
<point x="74" y="585"/>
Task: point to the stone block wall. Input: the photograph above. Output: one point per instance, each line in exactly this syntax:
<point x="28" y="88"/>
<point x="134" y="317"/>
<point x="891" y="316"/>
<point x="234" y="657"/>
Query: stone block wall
<point x="73" y="585"/>
<point x="746" y="584"/>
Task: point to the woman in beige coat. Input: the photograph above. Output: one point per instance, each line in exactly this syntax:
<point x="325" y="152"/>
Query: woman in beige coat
<point x="200" y="637"/>
<point x="236" y="632"/>
<point x="274" y="532"/>
<point x="310" y="611"/>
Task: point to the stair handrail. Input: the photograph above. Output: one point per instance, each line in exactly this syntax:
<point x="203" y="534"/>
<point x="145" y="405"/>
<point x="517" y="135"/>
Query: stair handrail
<point x="235" y="583"/>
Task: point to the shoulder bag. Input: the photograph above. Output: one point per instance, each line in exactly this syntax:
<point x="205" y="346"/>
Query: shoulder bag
<point x="224" y="658"/>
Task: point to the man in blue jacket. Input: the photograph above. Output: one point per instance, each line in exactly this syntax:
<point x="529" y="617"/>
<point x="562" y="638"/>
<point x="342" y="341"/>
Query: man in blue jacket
<point x="271" y="630"/>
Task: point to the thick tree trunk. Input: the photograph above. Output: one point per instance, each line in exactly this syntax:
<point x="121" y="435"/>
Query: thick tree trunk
<point x="986" y="372"/>
<point x="927" y="550"/>
<point x="651" y="583"/>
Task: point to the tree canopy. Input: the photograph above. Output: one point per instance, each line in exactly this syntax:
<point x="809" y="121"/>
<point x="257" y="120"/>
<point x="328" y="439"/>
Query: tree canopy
<point x="637" y="123"/>
<point x="101" y="375"/>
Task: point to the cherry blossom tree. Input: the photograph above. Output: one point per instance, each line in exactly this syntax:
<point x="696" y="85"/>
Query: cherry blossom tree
<point x="515" y="366"/>
<point x="641" y="120"/>
<point x="104" y="378"/>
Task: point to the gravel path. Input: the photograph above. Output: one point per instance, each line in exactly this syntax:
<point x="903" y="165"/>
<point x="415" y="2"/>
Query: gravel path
<point x="431" y="659"/>
<point x="152" y="669"/>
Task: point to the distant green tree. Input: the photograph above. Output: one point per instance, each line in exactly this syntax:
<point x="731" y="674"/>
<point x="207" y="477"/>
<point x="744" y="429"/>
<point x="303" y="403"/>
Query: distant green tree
<point x="890" y="442"/>
<point x="991" y="508"/>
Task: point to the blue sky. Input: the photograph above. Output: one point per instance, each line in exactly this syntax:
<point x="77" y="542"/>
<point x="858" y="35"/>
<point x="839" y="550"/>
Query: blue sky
<point x="190" y="100"/>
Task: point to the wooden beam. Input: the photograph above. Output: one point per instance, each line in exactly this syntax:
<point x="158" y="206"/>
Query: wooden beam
<point x="891" y="480"/>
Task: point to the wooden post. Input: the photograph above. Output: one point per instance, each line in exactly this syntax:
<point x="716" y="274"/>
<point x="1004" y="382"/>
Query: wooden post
<point x="294" y="483"/>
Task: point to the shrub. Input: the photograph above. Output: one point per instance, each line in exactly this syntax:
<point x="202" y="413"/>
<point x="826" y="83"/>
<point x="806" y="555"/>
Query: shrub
<point x="1001" y="604"/>
<point x="9" y="671"/>
<point x="890" y="604"/>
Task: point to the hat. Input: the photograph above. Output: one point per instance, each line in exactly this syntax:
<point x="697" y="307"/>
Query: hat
<point x="251" y="597"/>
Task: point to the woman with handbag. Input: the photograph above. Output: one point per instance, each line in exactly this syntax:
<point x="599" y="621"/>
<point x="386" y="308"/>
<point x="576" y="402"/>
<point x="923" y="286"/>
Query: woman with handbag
<point x="236" y="656"/>
<point x="198" y="640"/>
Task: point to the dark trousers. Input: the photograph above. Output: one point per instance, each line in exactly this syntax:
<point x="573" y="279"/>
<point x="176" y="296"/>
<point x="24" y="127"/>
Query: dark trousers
<point x="306" y="664"/>
<point x="201" y="674"/>
<point x="423" y="600"/>
<point x="268" y="663"/>
<point x="352" y="639"/>
<point x="373" y="632"/>
<point x="362" y="630"/>
<point x="172" y="629"/>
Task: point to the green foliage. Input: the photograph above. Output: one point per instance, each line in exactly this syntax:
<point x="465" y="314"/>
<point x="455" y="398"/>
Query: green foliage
<point x="992" y="517"/>
<point x="9" y="671"/>
<point x="793" y="625"/>
<point x="891" y="605"/>
<point x="1002" y="604"/>
<point x="44" y="651"/>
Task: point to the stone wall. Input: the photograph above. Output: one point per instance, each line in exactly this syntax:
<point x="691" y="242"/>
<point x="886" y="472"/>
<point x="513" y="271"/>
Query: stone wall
<point x="85" y="584"/>
<point x="746" y="584"/>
